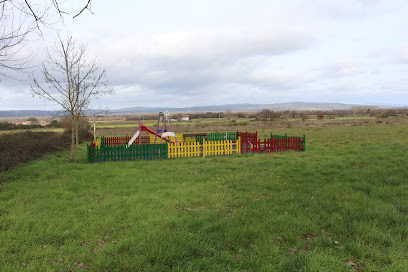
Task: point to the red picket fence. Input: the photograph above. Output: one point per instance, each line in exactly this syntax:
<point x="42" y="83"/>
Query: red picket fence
<point x="246" y="136"/>
<point x="273" y="145"/>
<point x="247" y="141"/>
<point x="112" y="141"/>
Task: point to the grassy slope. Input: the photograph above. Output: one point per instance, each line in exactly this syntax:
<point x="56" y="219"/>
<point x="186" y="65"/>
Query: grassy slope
<point x="345" y="199"/>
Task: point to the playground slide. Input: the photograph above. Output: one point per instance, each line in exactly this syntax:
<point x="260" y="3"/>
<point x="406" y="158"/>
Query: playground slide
<point x="144" y="128"/>
<point x="133" y="138"/>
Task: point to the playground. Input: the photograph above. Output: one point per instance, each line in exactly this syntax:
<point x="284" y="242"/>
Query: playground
<point x="162" y="144"/>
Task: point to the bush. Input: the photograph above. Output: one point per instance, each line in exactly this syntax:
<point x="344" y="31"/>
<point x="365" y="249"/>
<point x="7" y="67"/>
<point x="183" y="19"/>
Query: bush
<point x="84" y="126"/>
<point x="10" y="126"/>
<point x="54" y="124"/>
<point x="26" y="146"/>
<point x="289" y="124"/>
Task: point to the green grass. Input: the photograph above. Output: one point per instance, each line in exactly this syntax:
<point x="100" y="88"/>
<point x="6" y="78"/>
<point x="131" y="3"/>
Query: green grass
<point x="35" y="130"/>
<point x="343" y="200"/>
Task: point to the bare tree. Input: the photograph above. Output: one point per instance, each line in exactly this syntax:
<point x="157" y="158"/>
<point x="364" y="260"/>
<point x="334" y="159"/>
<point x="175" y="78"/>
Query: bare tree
<point x="22" y="21"/>
<point x="70" y="80"/>
<point x="228" y="114"/>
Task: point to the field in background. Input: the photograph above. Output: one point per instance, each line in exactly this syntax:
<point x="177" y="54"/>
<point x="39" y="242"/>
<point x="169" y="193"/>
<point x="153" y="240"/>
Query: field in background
<point x="128" y="128"/>
<point x="342" y="205"/>
<point x="35" y="130"/>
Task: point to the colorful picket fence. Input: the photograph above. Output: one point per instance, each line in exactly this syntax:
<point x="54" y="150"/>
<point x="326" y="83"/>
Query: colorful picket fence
<point x="219" y="148"/>
<point x="277" y="143"/>
<point x="189" y="149"/>
<point x="204" y="149"/>
<point x="114" y="148"/>
<point x="290" y="142"/>
<point x="113" y="141"/>
<point x="247" y="136"/>
<point x="218" y="136"/>
<point x="178" y="136"/>
<point x="97" y="142"/>
<point x="247" y="141"/>
<point x="124" y="153"/>
<point x="189" y="139"/>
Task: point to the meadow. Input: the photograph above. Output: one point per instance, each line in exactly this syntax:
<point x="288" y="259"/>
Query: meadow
<point x="60" y="130"/>
<point x="340" y="206"/>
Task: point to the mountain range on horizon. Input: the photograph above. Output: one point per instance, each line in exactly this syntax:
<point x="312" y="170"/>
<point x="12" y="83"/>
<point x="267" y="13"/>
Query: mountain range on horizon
<point x="299" y="106"/>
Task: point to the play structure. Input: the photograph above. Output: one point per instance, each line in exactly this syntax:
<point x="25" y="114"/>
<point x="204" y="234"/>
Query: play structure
<point x="165" y="134"/>
<point x="187" y="145"/>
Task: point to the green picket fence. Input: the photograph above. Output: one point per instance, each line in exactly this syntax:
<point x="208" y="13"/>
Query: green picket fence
<point x="218" y="136"/>
<point x="123" y="153"/>
<point x="278" y="137"/>
<point x="200" y="138"/>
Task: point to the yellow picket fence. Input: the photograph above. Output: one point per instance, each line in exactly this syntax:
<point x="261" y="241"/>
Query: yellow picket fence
<point x="204" y="149"/>
<point x="218" y="148"/>
<point x="188" y="139"/>
<point x="179" y="138"/>
<point x="98" y="142"/>
<point x="184" y="150"/>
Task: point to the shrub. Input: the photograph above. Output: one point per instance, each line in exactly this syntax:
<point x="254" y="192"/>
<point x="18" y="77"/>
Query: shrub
<point x="84" y="126"/>
<point x="26" y="146"/>
<point x="54" y="124"/>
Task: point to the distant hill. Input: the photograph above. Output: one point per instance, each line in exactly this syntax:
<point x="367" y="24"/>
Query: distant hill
<point x="26" y="113"/>
<point x="244" y="107"/>
<point x="215" y="108"/>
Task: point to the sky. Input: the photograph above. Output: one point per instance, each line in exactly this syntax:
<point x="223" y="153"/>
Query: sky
<point x="184" y="53"/>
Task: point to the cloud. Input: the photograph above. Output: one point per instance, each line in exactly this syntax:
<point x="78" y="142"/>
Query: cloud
<point x="275" y="79"/>
<point x="400" y="84"/>
<point x="180" y="48"/>
<point x="403" y="56"/>
<point x="182" y="63"/>
<point x="342" y="67"/>
<point x="349" y="9"/>
<point x="273" y="51"/>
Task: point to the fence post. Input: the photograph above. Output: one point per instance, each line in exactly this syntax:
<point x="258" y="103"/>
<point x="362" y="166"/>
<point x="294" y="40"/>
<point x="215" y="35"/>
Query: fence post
<point x="304" y="142"/>
<point x="204" y="146"/>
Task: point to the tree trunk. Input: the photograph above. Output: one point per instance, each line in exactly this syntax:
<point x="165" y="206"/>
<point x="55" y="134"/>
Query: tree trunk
<point x="72" y="139"/>
<point x="77" y="131"/>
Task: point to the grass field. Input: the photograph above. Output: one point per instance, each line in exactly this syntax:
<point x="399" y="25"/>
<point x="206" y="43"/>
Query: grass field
<point x="342" y="205"/>
<point x="35" y="130"/>
<point x="151" y="123"/>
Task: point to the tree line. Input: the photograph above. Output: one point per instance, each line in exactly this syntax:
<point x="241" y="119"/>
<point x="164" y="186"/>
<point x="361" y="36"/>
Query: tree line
<point x="270" y="115"/>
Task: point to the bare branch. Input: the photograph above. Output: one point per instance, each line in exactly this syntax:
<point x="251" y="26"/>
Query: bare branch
<point x="22" y="21"/>
<point x="84" y="8"/>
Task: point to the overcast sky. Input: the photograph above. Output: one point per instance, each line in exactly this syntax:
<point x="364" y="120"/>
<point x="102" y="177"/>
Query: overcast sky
<point x="183" y="53"/>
